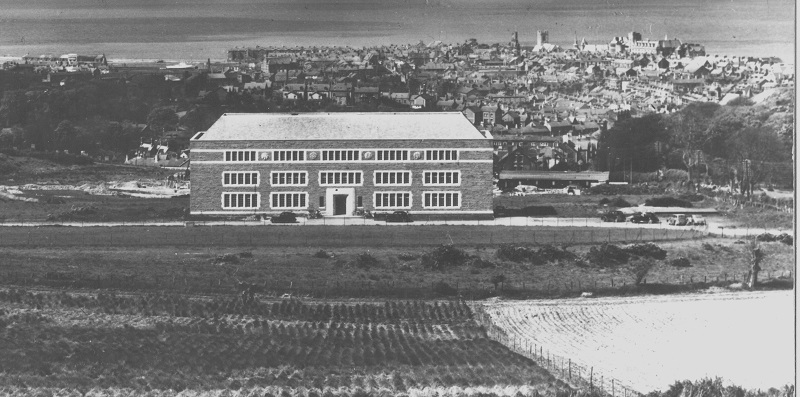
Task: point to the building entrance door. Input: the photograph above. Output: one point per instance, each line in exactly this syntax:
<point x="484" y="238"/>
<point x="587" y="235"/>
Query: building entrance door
<point x="339" y="204"/>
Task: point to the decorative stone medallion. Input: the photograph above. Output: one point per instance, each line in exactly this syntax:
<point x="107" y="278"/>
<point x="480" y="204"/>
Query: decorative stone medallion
<point x="367" y="155"/>
<point x="416" y="155"/>
<point x="264" y="156"/>
<point x="313" y="155"/>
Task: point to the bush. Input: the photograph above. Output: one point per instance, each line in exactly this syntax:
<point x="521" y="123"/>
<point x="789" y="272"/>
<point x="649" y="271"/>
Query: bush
<point x="605" y="201"/>
<point x="647" y="250"/>
<point x="545" y="254"/>
<point x="322" y="254"/>
<point x="681" y="262"/>
<point x="444" y="289"/>
<point x="769" y="237"/>
<point x="667" y="202"/>
<point x="480" y="263"/>
<point x="443" y="257"/>
<point x="617" y="190"/>
<point x="619" y="202"/>
<point x="607" y="255"/>
<point x="510" y="252"/>
<point x="245" y="255"/>
<point x="407" y="257"/>
<point x="365" y="260"/>
<point x="692" y="197"/>
<point x="548" y="253"/>
<point x="708" y="247"/>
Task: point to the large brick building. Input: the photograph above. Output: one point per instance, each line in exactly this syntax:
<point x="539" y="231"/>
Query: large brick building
<point x="434" y="164"/>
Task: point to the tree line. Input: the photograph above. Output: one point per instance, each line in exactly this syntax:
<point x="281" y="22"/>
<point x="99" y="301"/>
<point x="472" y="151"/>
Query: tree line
<point x="740" y="144"/>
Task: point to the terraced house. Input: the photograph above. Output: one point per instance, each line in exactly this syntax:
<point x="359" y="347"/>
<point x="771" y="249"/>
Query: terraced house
<point x="433" y="164"/>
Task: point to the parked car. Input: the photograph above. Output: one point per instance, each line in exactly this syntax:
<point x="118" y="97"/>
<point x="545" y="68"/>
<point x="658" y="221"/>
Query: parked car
<point x="613" y="216"/>
<point x="284" y="217"/>
<point x="644" y="217"/>
<point x="678" y="220"/>
<point x="697" y="220"/>
<point x="398" y="216"/>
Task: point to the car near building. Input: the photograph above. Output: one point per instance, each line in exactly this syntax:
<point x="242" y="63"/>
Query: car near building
<point x="434" y="165"/>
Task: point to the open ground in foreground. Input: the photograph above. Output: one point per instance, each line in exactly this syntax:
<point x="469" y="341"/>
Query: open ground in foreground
<point x="647" y="343"/>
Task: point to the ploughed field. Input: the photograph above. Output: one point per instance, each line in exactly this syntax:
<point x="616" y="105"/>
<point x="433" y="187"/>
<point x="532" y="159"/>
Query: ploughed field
<point x="52" y="342"/>
<point x="647" y="343"/>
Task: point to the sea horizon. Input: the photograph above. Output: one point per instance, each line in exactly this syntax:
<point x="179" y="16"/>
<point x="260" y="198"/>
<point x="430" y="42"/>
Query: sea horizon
<point x="150" y="30"/>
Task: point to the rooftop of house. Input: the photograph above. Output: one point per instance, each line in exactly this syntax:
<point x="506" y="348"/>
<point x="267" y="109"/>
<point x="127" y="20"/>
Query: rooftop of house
<point x="341" y="126"/>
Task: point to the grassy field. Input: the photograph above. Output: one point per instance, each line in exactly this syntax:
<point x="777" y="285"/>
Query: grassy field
<point x="325" y="235"/>
<point x="395" y="271"/>
<point x="108" y="344"/>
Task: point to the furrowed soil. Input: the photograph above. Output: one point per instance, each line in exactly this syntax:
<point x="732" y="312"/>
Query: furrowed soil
<point x="163" y="344"/>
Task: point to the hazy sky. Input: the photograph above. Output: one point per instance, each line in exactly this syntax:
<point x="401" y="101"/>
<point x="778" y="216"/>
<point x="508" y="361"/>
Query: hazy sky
<point x="201" y="28"/>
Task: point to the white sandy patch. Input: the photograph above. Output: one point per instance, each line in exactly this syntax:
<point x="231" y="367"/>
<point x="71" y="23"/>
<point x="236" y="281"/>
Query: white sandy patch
<point x="648" y="343"/>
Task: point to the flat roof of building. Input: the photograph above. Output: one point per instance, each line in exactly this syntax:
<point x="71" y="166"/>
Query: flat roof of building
<point x="555" y="175"/>
<point x="341" y="126"/>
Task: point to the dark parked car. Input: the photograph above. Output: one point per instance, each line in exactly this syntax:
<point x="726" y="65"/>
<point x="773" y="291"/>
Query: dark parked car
<point x="645" y="217"/>
<point x="613" y="216"/>
<point x="398" y="216"/>
<point x="285" y="217"/>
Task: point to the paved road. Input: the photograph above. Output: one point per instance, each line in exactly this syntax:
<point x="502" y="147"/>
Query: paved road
<point x="711" y="229"/>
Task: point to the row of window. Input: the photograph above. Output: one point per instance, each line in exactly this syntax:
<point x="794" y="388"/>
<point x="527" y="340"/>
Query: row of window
<point x="342" y="178"/>
<point x="381" y="200"/>
<point x="341" y="155"/>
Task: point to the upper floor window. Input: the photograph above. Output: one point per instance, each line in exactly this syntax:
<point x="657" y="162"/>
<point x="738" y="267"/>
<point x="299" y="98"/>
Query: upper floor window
<point x="441" y="155"/>
<point x="328" y="178"/>
<point x="240" y="155"/>
<point x="392" y="178"/>
<point x="288" y="155"/>
<point x="240" y="178"/>
<point x="289" y="178"/>
<point x="441" y="178"/>
<point x="392" y="155"/>
<point x="340" y="155"/>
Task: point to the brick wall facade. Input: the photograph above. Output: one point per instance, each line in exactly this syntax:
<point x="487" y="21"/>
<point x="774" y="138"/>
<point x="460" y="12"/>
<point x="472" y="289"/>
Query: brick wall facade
<point x="475" y="168"/>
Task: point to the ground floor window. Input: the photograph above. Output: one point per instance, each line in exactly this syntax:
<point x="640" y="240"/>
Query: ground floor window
<point x="392" y="200"/>
<point x="240" y="200"/>
<point x="441" y="200"/>
<point x="290" y="200"/>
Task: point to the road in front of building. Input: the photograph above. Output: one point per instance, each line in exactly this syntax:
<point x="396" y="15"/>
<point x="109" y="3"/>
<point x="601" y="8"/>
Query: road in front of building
<point x="712" y="228"/>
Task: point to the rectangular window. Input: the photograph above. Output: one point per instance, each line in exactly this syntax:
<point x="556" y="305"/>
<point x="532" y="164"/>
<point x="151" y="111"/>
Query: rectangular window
<point x="441" y="200"/>
<point x="339" y="178"/>
<point x="240" y="200"/>
<point x="340" y="155"/>
<point x="289" y="178"/>
<point x="441" y="178"/>
<point x="240" y="155"/>
<point x="392" y="178"/>
<point x="230" y="178"/>
<point x="359" y="201"/>
<point x="392" y="155"/>
<point x="321" y="201"/>
<point x="289" y="200"/>
<point x="392" y="200"/>
<point x="441" y="155"/>
<point x="288" y="155"/>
